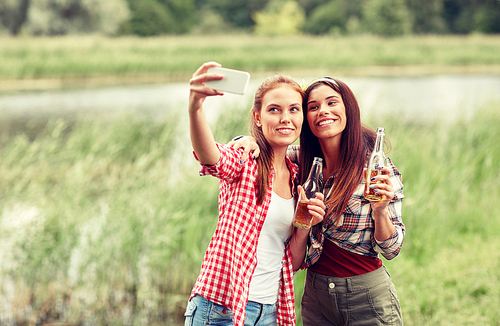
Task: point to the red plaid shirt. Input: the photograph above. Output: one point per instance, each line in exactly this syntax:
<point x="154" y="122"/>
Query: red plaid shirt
<point x="231" y="257"/>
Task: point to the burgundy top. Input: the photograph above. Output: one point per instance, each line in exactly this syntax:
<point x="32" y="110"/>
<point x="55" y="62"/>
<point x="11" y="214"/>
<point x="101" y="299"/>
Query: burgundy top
<point x="337" y="262"/>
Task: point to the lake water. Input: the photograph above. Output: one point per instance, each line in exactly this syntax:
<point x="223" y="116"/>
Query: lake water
<point x="417" y="99"/>
<point x="445" y="97"/>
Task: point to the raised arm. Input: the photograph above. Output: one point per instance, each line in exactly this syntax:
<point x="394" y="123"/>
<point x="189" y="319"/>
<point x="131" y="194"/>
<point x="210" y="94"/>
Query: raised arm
<point x="202" y="139"/>
<point x="386" y="213"/>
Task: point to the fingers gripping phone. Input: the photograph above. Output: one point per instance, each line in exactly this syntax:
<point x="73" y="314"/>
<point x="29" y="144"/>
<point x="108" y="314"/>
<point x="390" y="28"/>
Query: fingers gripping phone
<point x="235" y="81"/>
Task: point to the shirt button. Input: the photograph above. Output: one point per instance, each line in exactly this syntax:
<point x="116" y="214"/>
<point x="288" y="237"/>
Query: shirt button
<point x="331" y="285"/>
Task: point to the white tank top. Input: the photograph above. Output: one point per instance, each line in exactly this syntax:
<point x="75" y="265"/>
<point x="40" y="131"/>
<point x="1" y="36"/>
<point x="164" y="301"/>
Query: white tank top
<point x="277" y="227"/>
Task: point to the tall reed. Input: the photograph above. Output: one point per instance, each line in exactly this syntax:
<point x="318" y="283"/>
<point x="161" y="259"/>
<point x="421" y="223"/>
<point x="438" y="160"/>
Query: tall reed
<point x="105" y="222"/>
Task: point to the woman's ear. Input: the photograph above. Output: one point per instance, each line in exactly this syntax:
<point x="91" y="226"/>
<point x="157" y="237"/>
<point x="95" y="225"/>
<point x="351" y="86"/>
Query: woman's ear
<point x="256" y="118"/>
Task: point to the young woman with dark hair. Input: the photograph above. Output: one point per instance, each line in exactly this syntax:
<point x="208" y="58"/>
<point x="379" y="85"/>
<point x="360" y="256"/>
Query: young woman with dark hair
<point x="346" y="282"/>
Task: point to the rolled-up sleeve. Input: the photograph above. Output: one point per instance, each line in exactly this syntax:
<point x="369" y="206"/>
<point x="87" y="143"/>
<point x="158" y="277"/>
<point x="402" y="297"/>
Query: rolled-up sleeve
<point x="227" y="168"/>
<point x="391" y="247"/>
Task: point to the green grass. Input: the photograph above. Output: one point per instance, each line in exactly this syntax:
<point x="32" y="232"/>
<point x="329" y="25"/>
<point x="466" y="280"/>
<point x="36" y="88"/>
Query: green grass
<point x="174" y="57"/>
<point x="99" y="217"/>
<point x="449" y="262"/>
<point x="107" y="221"/>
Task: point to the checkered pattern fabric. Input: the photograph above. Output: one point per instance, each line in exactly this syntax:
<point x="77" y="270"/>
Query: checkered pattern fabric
<point x="231" y="257"/>
<point x="354" y="231"/>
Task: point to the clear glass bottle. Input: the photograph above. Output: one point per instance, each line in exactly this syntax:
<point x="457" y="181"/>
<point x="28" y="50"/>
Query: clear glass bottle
<point x="376" y="163"/>
<point x="302" y="217"/>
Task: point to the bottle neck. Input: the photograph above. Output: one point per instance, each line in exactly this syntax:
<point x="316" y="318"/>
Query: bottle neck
<point x="379" y="144"/>
<point x="315" y="170"/>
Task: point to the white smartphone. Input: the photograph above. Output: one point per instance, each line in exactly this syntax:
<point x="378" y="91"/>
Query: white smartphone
<point x="235" y="81"/>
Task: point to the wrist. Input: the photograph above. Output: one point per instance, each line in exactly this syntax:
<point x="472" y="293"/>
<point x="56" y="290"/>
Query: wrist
<point x="379" y="213"/>
<point x="302" y="233"/>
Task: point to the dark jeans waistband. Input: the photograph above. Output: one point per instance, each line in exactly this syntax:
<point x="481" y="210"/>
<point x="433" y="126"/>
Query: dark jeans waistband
<point x="359" y="281"/>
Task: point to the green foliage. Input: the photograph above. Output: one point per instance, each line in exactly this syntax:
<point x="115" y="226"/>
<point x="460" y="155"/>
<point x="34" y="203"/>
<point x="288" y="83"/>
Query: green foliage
<point x="156" y="17"/>
<point x="150" y="18"/>
<point x="466" y="16"/>
<point x="60" y="17"/>
<point x="335" y="17"/>
<point x="13" y="14"/>
<point x="310" y="5"/>
<point x="236" y="13"/>
<point x="183" y="13"/>
<point x="326" y="17"/>
<point x="427" y="16"/>
<point x="386" y="17"/>
<point x="280" y="17"/>
<point x="487" y="18"/>
<point x="211" y="22"/>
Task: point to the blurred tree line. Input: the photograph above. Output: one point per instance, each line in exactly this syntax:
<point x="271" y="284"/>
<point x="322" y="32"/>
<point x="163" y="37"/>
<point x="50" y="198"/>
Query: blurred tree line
<point x="264" y="17"/>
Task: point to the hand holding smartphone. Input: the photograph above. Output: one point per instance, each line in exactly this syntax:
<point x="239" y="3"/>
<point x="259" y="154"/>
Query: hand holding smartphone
<point x="235" y="81"/>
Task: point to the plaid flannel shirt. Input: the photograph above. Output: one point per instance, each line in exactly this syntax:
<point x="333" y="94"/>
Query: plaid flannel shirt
<point x="354" y="231"/>
<point x="231" y="257"/>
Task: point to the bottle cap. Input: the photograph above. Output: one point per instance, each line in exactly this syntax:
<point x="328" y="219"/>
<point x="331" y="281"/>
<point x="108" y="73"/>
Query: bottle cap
<point x="318" y="159"/>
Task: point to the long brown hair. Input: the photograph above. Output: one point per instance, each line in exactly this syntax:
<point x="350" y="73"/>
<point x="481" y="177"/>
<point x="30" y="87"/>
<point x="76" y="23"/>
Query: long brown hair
<point x="356" y="144"/>
<point x="266" y="157"/>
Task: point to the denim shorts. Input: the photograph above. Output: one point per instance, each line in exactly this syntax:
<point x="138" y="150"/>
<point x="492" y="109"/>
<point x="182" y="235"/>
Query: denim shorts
<point x="201" y="311"/>
<point x="368" y="300"/>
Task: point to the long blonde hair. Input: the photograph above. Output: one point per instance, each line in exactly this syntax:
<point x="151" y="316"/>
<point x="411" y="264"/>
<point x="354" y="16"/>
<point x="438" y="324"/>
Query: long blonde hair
<point x="266" y="157"/>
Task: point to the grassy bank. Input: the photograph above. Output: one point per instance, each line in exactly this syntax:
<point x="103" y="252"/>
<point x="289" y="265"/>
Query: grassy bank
<point x="30" y="63"/>
<point x="106" y="222"/>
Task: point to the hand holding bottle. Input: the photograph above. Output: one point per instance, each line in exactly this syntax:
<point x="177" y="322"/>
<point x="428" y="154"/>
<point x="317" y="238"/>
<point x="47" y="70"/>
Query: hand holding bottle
<point x="315" y="205"/>
<point x="303" y="219"/>
<point x="375" y="167"/>
<point x="381" y="185"/>
<point x="378" y="187"/>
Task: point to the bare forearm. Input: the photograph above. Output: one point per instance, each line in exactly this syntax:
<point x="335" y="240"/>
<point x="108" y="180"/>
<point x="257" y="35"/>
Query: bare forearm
<point x="298" y="246"/>
<point x="383" y="225"/>
<point x="202" y="139"/>
<point x="298" y="243"/>
<point x="201" y="136"/>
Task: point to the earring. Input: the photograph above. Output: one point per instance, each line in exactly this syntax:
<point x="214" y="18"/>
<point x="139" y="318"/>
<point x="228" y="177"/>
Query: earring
<point x="258" y="124"/>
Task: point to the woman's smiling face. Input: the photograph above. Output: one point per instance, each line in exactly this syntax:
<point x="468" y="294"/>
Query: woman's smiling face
<point x="281" y="116"/>
<point x="326" y="112"/>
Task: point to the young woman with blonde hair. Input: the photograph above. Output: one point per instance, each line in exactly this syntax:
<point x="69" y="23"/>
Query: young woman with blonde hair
<point x="246" y="276"/>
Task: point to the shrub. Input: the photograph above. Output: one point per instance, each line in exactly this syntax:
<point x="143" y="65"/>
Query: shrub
<point x="280" y="18"/>
<point x="386" y="17"/>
